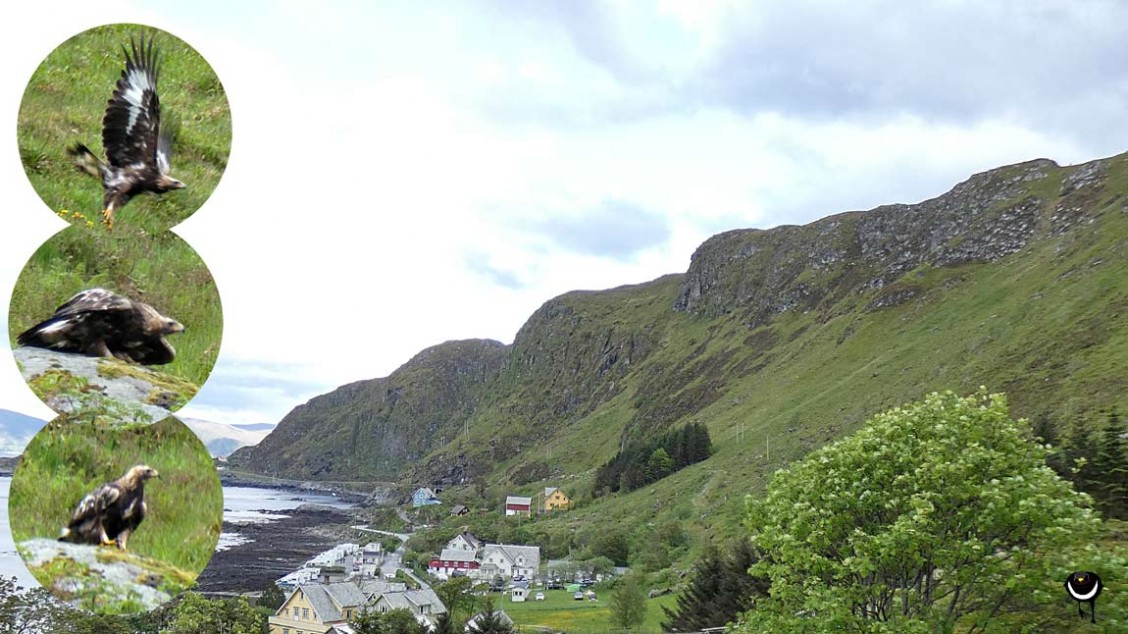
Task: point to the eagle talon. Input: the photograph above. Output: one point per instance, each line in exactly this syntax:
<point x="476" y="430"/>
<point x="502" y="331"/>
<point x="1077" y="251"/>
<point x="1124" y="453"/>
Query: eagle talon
<point x="108" y="218"/>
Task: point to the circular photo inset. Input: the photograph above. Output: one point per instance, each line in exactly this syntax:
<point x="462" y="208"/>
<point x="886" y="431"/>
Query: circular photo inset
<point x="115" y="519"/>
<point x="113" y="326"/>
<point x="124" y="124"/>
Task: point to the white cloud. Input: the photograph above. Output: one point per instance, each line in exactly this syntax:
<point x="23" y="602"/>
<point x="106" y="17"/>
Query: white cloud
<point x="394" y="166"/>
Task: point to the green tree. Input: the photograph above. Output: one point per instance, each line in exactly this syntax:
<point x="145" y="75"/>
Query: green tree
<point x="455" y="593"/>
<point x="399" y="621"/>
<point x="936" y="513"/>
<point x="445" y="624"/>
<point x="491" y="621"/>
<point x="1110" y="468"/>
<point x="628" y="603"/>
<point x="719" y="590"/>
<point x="659" y="465"/>
<point x="194" y="614"/>
<point x="271" y="598"/>
<point x="613" y="544"/>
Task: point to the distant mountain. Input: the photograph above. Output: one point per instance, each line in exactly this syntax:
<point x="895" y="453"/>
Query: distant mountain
<point x="222" y="439"/>
<point x="267" y="427"/>
<point x="16" y="430"/>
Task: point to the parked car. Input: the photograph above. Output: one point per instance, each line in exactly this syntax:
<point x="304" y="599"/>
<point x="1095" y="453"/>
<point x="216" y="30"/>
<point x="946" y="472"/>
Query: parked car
<point x="539" y="596"/>
<point x="579" y="596"/>
<point x="555" y="584"/>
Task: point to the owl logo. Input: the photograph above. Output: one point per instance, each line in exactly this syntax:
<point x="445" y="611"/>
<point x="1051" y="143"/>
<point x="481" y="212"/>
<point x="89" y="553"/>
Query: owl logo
<point x="1085" y="587"/>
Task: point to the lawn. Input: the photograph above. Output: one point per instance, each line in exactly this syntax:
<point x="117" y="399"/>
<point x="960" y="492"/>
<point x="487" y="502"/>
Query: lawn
<point x="560" y="612"/>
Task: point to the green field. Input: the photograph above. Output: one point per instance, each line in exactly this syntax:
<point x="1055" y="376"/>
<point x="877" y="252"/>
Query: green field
<point x="560" y="612"/>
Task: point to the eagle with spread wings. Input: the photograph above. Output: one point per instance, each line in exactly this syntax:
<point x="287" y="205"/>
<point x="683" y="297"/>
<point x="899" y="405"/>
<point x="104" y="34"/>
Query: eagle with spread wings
<point x="109" y="514"/>
<point x="99" y="323"/>
<point x="136" y="141"/>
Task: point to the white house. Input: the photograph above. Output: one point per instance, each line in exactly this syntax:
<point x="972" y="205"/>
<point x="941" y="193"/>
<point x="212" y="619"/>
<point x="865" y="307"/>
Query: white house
<point x="464" y="542"/>
<point x="509" y="560"/>
<point x="519" y="594"/>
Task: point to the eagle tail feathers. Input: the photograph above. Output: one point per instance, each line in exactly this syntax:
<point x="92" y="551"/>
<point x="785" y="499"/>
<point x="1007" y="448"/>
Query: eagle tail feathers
<point x="86" y="161"/>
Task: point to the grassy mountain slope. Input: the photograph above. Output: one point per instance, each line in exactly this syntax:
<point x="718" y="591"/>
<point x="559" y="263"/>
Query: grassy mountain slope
<point x="784" y="339"/>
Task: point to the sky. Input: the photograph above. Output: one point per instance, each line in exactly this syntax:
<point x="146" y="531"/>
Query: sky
<point x="404" y="173"/>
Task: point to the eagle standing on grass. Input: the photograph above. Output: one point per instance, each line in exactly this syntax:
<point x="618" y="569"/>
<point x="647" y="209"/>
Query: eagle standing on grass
<point x="110" y="513"/>
<point x="137" y="145"/>
<point x="98" y="323"/>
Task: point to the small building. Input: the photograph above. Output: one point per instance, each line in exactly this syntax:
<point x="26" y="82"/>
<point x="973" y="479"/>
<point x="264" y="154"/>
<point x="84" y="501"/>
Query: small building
<point x="517" y="505"/>
<point x="519" y="594"/>
<point x="459" y="509"/>
<point x="454" y="560"/>
<point x="424" y="496"/>
<point x="424" y="604"/>
<point x="317" y="608"/>
<point x="464" y="541"/>
<point x="555" y="500"/>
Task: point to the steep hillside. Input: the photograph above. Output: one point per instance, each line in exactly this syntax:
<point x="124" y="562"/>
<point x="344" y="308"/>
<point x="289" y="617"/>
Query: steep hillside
<point x="778" y="340"/>
<point x="370" y="429"/>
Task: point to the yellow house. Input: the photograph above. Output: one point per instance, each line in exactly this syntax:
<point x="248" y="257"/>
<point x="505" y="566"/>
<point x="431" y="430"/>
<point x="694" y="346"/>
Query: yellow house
<point x="554" y="499"/>
<point x="316" y="608"/>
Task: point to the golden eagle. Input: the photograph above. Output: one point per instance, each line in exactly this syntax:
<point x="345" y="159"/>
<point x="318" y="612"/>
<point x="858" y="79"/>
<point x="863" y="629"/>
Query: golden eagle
<point x="136" y="143"/>
<point x="110" y="513"/>
<point x="98" y="323"/>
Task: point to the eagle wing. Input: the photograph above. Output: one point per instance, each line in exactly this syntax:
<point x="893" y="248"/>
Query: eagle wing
<point x="95" y="503"/>
<point x="131" y="129"/>
<point x="52" y="331"/>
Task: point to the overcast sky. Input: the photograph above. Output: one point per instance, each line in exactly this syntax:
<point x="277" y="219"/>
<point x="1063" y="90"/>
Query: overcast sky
<point x="409" y="173"/>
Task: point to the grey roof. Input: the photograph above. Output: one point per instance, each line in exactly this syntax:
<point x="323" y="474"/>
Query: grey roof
<point x="327" y="600"/>
<point x="516" y="499"/>
<point x="456" y="554"/>
<point x="548" y="491"/>
<point x="345" y="595"/>
<point x="412" y="599"/>
<point x="373" y="587"/>
<point x="511" y="552"/>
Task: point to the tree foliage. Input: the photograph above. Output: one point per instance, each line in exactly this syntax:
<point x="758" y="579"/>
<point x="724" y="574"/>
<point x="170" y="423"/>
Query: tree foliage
<point x="643" y="462"/>
<point x="399" y="621"/>
<point x="272" y="597"/>
<point x="720" y="590"/>
<point x="491" y="621"/>
<point x="628" y="603"/>
<point x="936" y="513"/>
<point x="194" y="613"/>
<point x="1095" y="459"/>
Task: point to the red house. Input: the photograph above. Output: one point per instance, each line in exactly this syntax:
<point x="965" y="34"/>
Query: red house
<point x="516" y="505"/>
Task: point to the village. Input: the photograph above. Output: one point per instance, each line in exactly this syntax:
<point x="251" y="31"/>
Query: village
<point x="330" y="590"/>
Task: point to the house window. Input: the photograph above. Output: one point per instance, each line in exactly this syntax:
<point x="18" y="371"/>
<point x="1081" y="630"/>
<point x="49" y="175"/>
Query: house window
<point x="285" y="630"/>
<point x="297" y="611"/>
<point x="305" y="614"/>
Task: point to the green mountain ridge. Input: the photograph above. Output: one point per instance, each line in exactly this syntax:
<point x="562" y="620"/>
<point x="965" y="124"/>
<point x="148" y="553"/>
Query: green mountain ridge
<point x="779" y="340"/>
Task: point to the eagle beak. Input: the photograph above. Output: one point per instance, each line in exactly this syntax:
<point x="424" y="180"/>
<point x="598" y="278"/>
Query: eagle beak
<point x="178" y="185"/>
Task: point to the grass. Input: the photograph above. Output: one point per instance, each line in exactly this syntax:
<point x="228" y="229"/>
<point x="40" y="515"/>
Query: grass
<point x="66" y="460"/>
<point x="64" y="103"/>
<point x="560" y="612"/>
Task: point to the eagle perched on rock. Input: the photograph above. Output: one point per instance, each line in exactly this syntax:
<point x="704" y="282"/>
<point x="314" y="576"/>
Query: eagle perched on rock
<point x="137" y="144"/>
<point x="110" y="513"/>
<point x="99" y="323"/>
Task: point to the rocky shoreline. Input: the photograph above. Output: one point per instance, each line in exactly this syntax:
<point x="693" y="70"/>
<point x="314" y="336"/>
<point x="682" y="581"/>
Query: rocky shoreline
<point x="276" y="548"/>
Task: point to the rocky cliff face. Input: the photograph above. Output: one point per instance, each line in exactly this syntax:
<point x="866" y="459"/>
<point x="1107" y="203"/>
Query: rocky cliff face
<point x="764" y="273"/>
<point x="795" y="329"/>
<point x="369" y="429"/>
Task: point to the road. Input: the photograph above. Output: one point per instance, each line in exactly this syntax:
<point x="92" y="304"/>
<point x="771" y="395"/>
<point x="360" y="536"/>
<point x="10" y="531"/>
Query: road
<point x="394" y="561"/>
